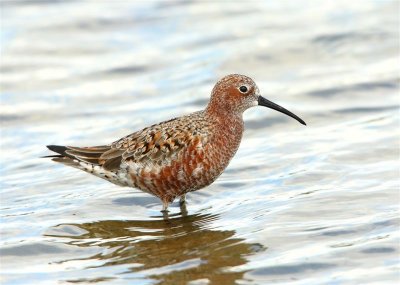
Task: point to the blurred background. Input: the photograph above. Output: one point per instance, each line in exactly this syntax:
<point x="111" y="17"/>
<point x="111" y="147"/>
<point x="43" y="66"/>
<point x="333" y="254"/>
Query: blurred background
<point x="299" y="205"/>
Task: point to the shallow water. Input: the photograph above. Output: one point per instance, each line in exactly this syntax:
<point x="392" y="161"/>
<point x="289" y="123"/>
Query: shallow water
<point x="299" y="205"/>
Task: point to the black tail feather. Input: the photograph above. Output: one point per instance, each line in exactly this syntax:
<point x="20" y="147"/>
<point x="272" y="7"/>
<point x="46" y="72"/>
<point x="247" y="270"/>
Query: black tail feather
<point x="90" y="155"/>
<point x="58" y="149"/>
<point x="52" y="156"/>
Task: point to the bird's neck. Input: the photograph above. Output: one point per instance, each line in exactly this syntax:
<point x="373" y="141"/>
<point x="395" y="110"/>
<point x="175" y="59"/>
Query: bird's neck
<point x="228" y="124"/>
<point x="226" y="137"/>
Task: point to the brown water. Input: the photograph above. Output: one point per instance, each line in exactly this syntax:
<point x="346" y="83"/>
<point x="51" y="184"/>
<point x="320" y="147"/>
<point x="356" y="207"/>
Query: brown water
<point x="299" y="205"/>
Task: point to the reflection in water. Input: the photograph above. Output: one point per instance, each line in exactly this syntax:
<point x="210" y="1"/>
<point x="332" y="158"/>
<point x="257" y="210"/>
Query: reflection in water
<point x="173" y="251"/>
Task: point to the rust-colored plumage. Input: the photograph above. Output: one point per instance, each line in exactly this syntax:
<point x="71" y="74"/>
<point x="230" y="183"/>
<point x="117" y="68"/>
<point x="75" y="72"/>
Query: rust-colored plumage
<point x="178" y="156"/>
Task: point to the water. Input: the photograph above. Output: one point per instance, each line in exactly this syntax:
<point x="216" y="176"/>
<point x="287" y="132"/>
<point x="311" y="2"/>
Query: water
<point x="299" y="205"/>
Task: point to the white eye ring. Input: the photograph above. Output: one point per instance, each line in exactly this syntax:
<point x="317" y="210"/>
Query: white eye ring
<point x="243" y="89"/>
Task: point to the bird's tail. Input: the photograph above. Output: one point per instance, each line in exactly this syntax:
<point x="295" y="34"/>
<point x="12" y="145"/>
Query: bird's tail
<point x="101" y="161"/>
<point x="85" y="154"/>
<point x="104" y="156"/>
<point x="60" y="149"/>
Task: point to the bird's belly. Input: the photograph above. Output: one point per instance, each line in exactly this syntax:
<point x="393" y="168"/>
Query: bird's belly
<point x="190" y="171"/>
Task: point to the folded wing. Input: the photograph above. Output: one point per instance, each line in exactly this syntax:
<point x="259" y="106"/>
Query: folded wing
<point x="156" y="145"/>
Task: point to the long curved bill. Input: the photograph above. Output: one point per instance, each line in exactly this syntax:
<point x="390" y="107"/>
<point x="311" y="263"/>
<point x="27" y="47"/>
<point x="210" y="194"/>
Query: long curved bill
<point x="266" y="103"/>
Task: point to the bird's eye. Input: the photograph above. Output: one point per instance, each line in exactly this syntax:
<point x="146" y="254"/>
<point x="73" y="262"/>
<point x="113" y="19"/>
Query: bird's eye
<point x="243" y="89"/>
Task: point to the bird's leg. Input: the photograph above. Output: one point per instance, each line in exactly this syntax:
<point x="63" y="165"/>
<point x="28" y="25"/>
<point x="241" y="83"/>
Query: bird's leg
<point x="182" y="200"/>
<point x="165" y="206"/>
<point x="165" y="216"/>
<point x="182" y="205"/>
<point x="184" y="211"/>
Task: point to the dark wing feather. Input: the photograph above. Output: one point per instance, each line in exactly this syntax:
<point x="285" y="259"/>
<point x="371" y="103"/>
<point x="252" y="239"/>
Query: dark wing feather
<point x="113" y="163"/>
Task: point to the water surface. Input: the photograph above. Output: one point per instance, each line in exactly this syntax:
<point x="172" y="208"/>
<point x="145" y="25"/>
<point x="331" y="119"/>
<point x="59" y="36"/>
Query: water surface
<point x="299" y="205"/>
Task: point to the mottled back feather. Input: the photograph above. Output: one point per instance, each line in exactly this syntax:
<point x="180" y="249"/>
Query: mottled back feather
<point x="156" y="145"/>
<point x="159" y="144"/>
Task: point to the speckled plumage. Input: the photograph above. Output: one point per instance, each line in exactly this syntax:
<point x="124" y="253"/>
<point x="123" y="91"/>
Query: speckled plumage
<point x="177" y="156"/>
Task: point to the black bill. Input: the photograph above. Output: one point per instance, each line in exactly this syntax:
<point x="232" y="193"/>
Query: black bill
<point x="266" y="103"/>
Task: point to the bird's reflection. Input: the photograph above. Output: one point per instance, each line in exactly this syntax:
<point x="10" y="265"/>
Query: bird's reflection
<point x="186" y="242"/>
